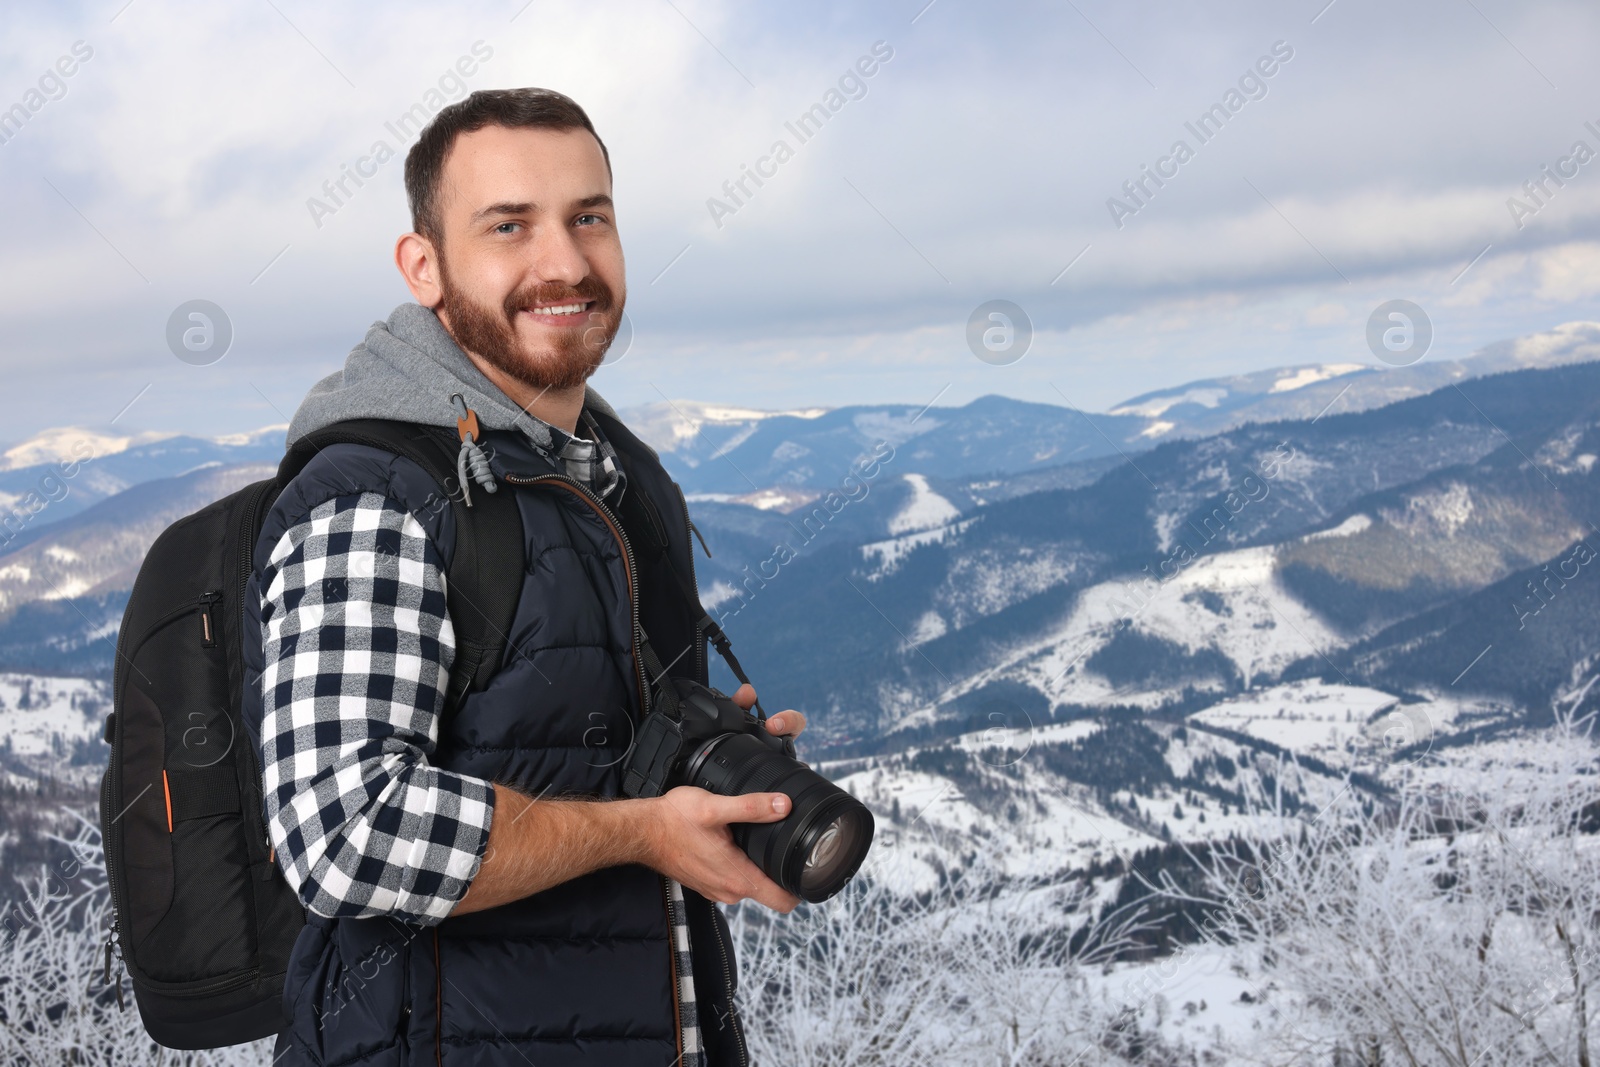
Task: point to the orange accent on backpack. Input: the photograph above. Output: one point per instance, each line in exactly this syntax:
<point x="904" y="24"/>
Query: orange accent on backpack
<point x="168" y="791"/>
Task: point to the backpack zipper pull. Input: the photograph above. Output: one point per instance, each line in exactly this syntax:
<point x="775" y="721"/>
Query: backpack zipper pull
<point x="110" y="940"/>
<point x="208" y="628"/>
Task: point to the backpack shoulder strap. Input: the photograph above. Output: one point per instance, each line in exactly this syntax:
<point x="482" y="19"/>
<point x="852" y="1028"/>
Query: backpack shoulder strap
<point x="483" y="583"/>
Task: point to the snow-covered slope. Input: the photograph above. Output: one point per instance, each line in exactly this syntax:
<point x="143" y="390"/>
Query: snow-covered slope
<point x="52" y="726"/>
<point x="1033" y="800"/>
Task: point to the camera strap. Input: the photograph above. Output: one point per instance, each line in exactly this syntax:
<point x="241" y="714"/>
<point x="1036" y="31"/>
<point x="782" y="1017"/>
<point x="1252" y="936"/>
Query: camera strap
<point x="706" y="627"/>
<point x="643" y="522"/>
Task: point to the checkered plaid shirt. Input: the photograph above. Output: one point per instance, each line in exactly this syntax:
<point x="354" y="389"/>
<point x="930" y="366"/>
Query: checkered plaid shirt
<point x="358" y="645"/>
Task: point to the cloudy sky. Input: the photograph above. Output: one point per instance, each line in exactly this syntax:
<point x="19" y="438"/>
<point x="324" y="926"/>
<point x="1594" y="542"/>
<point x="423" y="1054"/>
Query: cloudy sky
<point x="180" y="158"/>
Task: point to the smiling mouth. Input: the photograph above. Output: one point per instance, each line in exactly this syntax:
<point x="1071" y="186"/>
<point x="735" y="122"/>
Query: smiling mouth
<point x="560" y="314"/>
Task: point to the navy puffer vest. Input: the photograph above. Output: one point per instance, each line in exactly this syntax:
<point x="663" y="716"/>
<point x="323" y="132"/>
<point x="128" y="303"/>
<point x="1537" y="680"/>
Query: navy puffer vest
<point x="581" y="973"/>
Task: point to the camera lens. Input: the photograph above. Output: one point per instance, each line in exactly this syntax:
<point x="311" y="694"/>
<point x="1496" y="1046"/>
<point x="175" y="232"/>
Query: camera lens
<point x="826" y="848"/>
<point x="835" y="855"/>
<point x="820" y="845"/>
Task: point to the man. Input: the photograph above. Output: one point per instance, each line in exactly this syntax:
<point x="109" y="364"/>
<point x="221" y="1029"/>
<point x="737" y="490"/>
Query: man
<point x="468" y="899"/>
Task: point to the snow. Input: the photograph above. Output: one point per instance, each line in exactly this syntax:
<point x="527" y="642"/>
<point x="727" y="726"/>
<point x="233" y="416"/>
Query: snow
<point x="1324" y="720"/>
<point x="1057" y="824"/>
<point x="254" y="436"/>
<point x="1022" y="736"/>
<point x="1195" y="997"/>
<point x="1229" y="601"/>
<point x="71" y="443"/>
<point x="55" y="713"/>
<point x="676" y="426"/>
<point x="778" y="498"/>
<point x="1301" y="377"/>
<point x="719" y="591"/>
<point x="1166" y="526"/>
<point x="719" y="413"/>
<point x="1348" y="528"/>
<point x="896" y="427"/>
<point x="1445" y="509"/>
<point x="66" y="589"/>
<point x="925" y="510"/>
<point x="1157" y="406"/>
<point x="929" y="625"/>
<point x="1261" y="628"/>
<point x="888" y="554"/>
<point x="1157" y="428"/>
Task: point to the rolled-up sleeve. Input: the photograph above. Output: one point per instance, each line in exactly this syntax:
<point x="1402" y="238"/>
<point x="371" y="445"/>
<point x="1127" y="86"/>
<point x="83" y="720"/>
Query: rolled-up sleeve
<point x="357" y="649"/>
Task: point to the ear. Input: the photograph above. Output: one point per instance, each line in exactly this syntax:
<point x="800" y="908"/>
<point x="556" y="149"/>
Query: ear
<point x="418" y="261"/>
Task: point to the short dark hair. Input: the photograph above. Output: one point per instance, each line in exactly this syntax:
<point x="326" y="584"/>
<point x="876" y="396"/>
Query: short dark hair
<point x="512" y="108"/>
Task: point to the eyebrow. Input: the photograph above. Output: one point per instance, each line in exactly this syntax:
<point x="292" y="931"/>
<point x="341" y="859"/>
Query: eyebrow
<point x="506" y="207"/>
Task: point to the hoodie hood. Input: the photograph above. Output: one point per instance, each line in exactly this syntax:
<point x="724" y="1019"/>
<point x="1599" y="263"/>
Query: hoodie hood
<point x="408" y="369"/>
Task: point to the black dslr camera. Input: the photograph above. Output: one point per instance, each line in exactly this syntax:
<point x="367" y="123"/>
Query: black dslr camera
<point x="696" y="735"/>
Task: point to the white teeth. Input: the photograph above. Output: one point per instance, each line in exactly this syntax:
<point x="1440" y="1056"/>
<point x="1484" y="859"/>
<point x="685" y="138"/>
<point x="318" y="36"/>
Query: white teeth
<point x="564" y="309"/>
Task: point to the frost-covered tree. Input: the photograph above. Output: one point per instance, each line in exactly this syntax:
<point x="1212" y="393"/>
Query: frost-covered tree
<point x="1461" y="926"/>
<point x="977" y="973"/>
<point x="55" y="1006"/>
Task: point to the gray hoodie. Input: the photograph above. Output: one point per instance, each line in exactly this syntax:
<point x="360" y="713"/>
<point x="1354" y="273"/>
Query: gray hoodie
<point x="408" y="369"/>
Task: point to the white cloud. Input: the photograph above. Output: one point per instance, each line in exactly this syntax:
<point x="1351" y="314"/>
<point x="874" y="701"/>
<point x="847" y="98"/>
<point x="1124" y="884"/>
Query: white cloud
<point x="981" y="158"/>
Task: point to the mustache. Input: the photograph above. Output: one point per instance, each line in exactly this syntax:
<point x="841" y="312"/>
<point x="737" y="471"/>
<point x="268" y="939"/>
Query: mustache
<point x="589" y="289"/>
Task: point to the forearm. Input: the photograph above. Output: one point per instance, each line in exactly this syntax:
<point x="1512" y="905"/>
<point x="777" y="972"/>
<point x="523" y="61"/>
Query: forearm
<point x="535" y="844"/>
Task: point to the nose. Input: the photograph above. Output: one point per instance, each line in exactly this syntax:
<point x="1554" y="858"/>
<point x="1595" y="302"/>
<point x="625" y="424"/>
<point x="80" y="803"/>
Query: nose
<point x="557" y="257"/>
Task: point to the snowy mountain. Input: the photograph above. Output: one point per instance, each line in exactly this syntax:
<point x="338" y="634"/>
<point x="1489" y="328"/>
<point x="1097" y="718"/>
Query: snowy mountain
<point x="719" y="452"/>
<point x="1214" y="405"/>
<point x="64" y="585"/>
<point x="57" y="474"/>
<point x="1199" y="570"/>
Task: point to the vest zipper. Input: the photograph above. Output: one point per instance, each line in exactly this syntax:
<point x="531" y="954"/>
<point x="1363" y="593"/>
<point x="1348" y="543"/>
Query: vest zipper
<point x="627" y="560"/>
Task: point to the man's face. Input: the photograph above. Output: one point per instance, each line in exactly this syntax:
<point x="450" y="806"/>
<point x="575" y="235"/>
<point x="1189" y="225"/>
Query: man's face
<point x="530" y="267"/>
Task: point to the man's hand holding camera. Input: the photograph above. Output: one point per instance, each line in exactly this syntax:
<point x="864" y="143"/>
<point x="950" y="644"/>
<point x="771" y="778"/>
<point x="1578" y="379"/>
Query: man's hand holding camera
<point x="536" y="843"/>
<point x="693" y="844"/>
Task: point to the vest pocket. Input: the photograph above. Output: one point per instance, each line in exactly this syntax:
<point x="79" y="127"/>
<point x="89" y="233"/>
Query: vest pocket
<point x="355" y="988"/>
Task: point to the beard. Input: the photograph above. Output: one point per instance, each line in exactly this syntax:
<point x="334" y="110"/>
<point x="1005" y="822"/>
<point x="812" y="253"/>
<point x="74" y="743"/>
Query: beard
<point x="573" y="353"/>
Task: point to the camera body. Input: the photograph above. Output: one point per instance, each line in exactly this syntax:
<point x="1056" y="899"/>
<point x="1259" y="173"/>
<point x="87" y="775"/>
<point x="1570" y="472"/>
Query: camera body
<point x="696" y="735"/>
<point x="677" y="737"/>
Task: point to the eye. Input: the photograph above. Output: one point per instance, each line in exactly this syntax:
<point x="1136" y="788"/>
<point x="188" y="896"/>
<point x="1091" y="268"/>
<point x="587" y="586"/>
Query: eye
<point x="597" y="219"/>
<point x="507" y="227"/>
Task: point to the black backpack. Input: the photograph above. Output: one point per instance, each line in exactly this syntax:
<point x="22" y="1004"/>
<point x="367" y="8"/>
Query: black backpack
<point x="202" y="917"/>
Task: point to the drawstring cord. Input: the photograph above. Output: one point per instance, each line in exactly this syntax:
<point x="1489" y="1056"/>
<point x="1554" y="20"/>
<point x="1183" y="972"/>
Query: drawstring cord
<point x="470" y="459"/>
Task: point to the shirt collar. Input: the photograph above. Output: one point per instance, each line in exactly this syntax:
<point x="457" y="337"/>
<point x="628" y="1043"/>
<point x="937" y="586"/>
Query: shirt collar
<point x="589" y="459"/>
